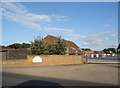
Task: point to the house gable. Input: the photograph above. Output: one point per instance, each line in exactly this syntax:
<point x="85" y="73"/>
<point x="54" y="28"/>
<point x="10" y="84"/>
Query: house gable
<point x="72" y="47"/>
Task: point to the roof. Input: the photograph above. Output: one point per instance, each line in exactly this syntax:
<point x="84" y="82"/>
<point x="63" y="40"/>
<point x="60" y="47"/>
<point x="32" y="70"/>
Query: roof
<point x="52" y="40"/>
<point x="88" y="52"/>
<point x="99" y="52"/>
<point x="94" y="52"/>
<point x="72" y="47"/>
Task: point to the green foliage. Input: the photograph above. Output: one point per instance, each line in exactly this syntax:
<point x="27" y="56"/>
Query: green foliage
<point x="110" y="49"/>
<point x="39" y="46"/>
<point x="15" y="46"/>
<point x="60" y="47"/>
<point x="2" y="46"/>
<point x="86" y="49"/>
<point x="18" y="46"/>
<point x="25" y="45"/>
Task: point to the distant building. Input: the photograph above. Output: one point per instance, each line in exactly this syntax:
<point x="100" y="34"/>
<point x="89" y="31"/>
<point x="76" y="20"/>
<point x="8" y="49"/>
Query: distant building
<point x="98" y="54"/>
<point x="72" y="48"/>
<point x="89" y="53"/>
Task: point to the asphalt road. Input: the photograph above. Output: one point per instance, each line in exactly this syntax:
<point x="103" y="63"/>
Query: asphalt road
<point x="61" y="76"/>
<point x="16" y="80"/>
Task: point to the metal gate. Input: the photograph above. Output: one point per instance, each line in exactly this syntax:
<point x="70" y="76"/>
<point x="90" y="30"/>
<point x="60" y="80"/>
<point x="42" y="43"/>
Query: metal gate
<point x="101" y="60"/>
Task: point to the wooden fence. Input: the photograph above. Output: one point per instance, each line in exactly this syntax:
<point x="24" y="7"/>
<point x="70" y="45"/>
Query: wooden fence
<point x="14" y="54"/>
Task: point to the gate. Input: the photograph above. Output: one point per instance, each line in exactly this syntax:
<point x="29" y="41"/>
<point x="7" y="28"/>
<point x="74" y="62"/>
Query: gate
<point x="97" y="60"/>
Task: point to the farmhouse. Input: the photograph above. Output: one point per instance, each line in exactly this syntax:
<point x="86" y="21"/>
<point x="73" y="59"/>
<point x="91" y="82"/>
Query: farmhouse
<point x="72" y="48"/>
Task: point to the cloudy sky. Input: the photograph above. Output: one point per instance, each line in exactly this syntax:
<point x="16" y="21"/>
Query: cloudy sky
<point x="89" y="24"/>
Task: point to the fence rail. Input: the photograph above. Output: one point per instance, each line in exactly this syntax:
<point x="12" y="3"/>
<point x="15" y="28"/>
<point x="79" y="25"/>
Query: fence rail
<point x="110" y="57"/>
<point x="104" y="60"/>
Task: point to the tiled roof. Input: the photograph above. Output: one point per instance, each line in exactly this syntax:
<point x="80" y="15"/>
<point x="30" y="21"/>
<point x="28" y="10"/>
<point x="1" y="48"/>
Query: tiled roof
<point x="71" y="45"/>
<point x="94" y="52"/>
<point x="99" y="52"/>
<point x="52" y="40"/>
<point x="88" y="52"/>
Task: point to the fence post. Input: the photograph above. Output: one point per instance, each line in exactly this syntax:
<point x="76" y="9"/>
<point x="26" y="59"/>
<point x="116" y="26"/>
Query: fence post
<point x="86" y="59"/>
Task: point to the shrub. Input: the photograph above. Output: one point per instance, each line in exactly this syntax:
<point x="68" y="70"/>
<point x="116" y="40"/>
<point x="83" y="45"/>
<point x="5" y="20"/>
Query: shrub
<point x="39" y="46"/>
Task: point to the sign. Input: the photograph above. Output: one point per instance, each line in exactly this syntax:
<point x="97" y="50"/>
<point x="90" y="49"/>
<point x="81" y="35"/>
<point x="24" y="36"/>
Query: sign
<point x="37" y="59"/>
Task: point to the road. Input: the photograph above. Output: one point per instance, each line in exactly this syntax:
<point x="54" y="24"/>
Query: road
<point x="71" y="75"/>
<point x="11" y="79"/>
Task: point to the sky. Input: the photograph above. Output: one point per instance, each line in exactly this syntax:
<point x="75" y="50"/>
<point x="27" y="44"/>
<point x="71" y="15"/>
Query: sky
<point x="89" y="24"/>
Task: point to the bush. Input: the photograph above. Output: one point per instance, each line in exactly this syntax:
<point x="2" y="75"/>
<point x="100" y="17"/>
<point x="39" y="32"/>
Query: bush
<point x="39" y="46"/>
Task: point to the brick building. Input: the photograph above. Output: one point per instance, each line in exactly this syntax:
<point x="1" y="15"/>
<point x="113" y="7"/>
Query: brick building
<point x="72" y="48"/>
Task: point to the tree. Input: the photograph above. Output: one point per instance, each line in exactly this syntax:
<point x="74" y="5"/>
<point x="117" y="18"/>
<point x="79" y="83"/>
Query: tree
<point x="2" y="46"/>
<point x="86" y="49"/>
<point x="18" y="46"/>
<point x="112" y="49"/>
<point x="47" y="49"/>
<point x="60" y="47"/>
<point x="25" y="45"/>
<point x="15" y="46"/>
<point x="39" y="46"/>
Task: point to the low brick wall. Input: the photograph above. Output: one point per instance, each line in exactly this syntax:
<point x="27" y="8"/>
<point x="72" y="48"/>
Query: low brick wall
<point x="46" y="60"/>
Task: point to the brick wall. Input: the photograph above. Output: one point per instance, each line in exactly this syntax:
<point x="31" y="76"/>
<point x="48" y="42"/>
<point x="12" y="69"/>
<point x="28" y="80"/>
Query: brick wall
<point x="46" y="60"/>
